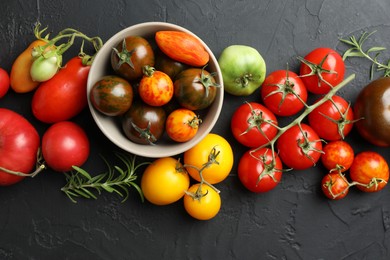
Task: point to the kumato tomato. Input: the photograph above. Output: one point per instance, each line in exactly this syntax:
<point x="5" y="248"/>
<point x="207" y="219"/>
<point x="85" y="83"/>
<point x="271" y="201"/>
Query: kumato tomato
<point x="337" y="156"/>
<point x="182" y="125"/>
<point x="155" y="87"/>
<point x="169" y="66"/>
<point x="284" y="93"/>
<point x="213" y="155"/>
<point x="130" y="56"/>
<point x="164" y="181"/>
<point x="112" y="95"/>
<point x="202" y="202"/>
<point x="321" y="70"/>
<point x="335" y="186"/>
<point x="370" y="171"/>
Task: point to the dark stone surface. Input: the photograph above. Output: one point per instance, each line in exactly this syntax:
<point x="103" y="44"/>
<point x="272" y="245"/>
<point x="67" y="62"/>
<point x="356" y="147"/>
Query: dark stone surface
<point x="294" y="221"/>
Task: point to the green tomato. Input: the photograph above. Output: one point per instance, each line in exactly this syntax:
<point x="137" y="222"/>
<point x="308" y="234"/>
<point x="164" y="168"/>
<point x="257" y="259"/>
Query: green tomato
<point x="243" y="69"/>
<point x="44" y="68"/>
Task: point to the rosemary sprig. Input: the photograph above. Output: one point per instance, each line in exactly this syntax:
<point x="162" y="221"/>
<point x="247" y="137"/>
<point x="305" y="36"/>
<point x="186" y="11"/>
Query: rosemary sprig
<point x="81" y="184"/>
<point x="371" y="54"/>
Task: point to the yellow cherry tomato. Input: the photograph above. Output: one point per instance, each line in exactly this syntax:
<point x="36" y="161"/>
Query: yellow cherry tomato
<point x="213" y="150"/>
<point x="203" y="204"/>
<point x="163" y="182"/>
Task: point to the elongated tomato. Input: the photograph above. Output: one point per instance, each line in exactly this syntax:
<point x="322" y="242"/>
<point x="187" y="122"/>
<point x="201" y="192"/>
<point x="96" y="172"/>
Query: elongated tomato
<point x="182" y="47"/>
<point x="20" y="79"/>
<point x="63" y="96"/>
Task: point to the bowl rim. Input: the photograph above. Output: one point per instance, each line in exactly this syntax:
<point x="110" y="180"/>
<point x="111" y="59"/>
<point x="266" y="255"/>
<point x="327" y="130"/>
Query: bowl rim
<point x="150" y="151"/>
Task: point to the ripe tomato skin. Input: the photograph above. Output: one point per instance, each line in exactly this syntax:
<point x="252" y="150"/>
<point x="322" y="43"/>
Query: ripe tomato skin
<point x="163" y="182"/>
<point x="136" y="52"/>
<point x="19" y="144"/>
<point x="333" y="62"/>
<point x="182" y="125"/>
<point x="65" y="144"/>
<point x="198" y="155"/>
<point x="292" y="145"/>
<point x="182" y="47"/>
<point x="366" y="166"/>
<point x="334" y="186"/>
<point x="155" y="87"/>
<point x="250" y="124"/>
<point x="144" y="124"/>
<point x="277" y="93"/>
<point x="195" y="88"/>
<point x="63" y="96"/>
<point x="253" y="172"/>
<point x="169" y="66"/>
<point x="4" y="82"/>
<point x="112" y="95"/>
<point x="338" y="155"/>
<point x="325" y="118"/>
<point x="205" y="207"/>
<point x="20" y="78"/>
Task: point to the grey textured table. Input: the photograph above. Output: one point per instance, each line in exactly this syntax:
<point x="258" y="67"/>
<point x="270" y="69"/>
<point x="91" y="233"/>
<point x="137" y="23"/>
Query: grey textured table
<point x="294" y="221"/>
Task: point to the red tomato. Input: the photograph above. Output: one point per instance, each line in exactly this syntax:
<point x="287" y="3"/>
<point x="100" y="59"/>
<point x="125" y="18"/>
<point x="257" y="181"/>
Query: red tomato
<point x="284" y="93"/>
<point x="63" y="96"/>
<point x="299" y="148"/>
<point x="338" y="155"/>
<point x="253" y="124"/>
<point x="332" y="120"/>
<point x="19" y="144"/>
<point x="369" y="171"/>
<point x="182" y="47"/>
<point x="4" y="82"/>
<point x="335" y="186"/>
<point x="322" y="69"/>
<point x="182" y="125"/>
<point x="65" y="144"/>
<point x="155" y="87"/>
<point x="258" y="171"/>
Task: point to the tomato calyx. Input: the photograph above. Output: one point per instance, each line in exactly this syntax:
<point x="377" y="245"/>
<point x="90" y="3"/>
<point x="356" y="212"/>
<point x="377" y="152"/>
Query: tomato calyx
<point x="148" y="70"/>
<point x="269" y="167"/>
<point x="194" y="122"/>
<point x="145" y="133"/>
<point x="307" y="146"/>
<point x="256" y="120"/>
<point x="207" y="81"/>
<point x="287" y="88"/>
<point x="124" y="56"/>
<point x="374" y="182"/>
<point x="331" y="182"/>
<point x="317" y="70"/>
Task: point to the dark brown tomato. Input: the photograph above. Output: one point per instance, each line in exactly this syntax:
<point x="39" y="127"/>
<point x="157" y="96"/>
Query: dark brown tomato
<point x="195" y="88"/>
<point x="130" y="56"/>
<point x="112" y="95"/>
<point x="144" y="124"/>
<point x="169" y="66"/>
<point x="373" y="107"/>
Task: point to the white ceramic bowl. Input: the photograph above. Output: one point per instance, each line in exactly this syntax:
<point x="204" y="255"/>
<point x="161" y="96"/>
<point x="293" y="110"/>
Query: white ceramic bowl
<point x="109" y="125"/>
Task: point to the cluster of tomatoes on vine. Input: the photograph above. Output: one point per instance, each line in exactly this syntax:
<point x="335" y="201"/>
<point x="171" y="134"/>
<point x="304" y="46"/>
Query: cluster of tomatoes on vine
<point x="157" y="90"/>
<point x="303" y="144"/>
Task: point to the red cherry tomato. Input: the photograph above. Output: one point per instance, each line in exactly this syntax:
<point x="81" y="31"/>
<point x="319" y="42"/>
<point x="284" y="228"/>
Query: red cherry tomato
<point x="338" y="155"/>
<point x="253" y="124"/>
<point x="299" y="148"/>
<point x="4" y="82"/>
<point x="335" y="186"/>
<point x="370" y="171"/>
<point x="284" y="93"/>
<point x="63" y="96"/>
<point x="65" y="144"/>
<point x="258" y="171"/>
<point x="332" y="120"/>
<point x="19" y="144"/>
<point x="322" y="69"/>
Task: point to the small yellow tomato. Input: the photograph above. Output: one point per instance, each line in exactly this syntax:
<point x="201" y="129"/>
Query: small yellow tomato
<point x="203" y="204"/>
<point x="215" y="150"/>
<point x="163" y="182"/>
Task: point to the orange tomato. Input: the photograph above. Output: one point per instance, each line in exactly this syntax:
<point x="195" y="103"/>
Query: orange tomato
<point x="182" y="47"/>
<point x="212" y="146"/>
<point x="182" y="125"/>
<point x="20" y="78"/>
<point x="155" y="87"/>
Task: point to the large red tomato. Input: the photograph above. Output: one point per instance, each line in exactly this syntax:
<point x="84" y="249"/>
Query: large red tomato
<point x="63" y="96"/>
<point x="19" y="144"/>
<point x="65" y="144"/>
